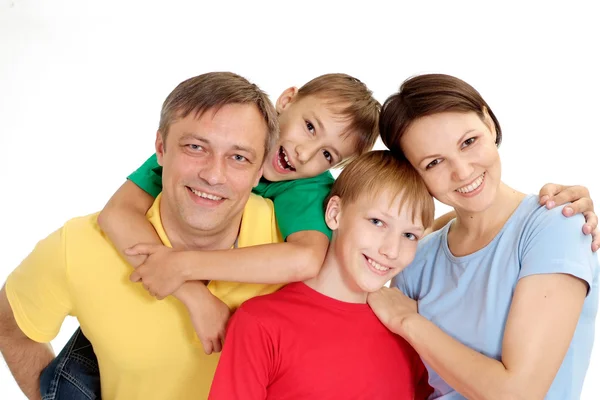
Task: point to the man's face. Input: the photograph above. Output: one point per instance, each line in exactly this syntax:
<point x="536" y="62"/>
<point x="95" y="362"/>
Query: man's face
<point x="210" y="165"/>
<point x="374" y="239"/>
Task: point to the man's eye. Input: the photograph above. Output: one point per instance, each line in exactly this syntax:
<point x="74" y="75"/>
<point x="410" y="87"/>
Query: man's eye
<point x="468" y="142"/>
<point x="239" y="158"/>
<point x="433" y="163"/>
<point x="328" y="156"/>
<point x="194" y="147"/>
<point x="310" y="127"/>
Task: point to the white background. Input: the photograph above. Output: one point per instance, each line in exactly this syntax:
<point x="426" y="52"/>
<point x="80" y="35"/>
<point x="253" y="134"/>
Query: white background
<point x="82" y="82"/>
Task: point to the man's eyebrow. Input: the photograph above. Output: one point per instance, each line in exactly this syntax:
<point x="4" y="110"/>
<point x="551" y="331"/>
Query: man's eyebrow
<point x="248" y="150"/>
<point x="192" y="135"/>
<point x="237" y="147"/>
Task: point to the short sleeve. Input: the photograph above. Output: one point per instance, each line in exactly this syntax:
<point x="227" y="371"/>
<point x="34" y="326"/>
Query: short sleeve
<point x="38" y="290"/>
<point x="148" y="177"/>
<point x="245" y="367"/>
<point x="300" y="207"/>
<point x="553" y="243"/>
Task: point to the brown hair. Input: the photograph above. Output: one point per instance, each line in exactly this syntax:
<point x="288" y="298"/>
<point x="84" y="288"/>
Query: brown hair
<point x="376" y="171"/>
<point x="425" y="95"/>
<point x="214" y="90"/>
<point x="353" y="101"/>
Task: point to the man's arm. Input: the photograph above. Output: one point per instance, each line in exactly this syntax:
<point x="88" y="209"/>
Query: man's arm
<point x="25" y="358"/>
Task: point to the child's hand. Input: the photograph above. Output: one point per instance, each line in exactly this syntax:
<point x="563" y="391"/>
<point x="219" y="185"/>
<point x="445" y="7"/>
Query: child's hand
<point x="162" y="272"/>
<point x="392" y="308"/>
<point x="209" y="316"/>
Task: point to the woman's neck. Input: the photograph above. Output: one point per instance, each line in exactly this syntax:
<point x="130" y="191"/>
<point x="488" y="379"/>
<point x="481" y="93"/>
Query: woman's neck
<point x="473" y="231"/>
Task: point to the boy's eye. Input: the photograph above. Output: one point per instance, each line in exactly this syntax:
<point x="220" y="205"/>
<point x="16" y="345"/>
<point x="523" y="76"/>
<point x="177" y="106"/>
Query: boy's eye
<point x="410" y="236"/>
<point x="310" y="127"/>
<point x="376" y="222"/>
<point x="328" y="156"/>
<point x="468" y="142"/>
<point x="433" y="163"/>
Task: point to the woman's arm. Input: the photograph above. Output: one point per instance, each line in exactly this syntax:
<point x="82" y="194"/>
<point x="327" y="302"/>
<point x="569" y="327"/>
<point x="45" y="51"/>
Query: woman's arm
<point x="542" y="319"/>
<point x="298" y="259"/>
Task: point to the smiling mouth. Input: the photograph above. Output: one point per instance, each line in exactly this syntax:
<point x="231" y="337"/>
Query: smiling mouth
<point x="472" y="186"/>
<point x="377" y="266"/>
<point x="205" y="195"/>
<point x="283" y="160"/>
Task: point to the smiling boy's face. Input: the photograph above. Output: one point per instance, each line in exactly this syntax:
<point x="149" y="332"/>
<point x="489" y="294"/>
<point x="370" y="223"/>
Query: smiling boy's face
<point x="312" y="138"/>
<point x="374" y="239"/>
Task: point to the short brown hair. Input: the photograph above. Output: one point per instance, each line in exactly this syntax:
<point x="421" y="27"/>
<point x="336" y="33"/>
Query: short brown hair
<point x="425" y="95"/>
<point x="353" y="101"/>
<point x="214" y="90"/>
<point x="376" y="171"/>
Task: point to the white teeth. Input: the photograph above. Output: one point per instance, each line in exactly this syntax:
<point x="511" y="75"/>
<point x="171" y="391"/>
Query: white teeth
<point x="287" y="160"/>
<point x="206" y="195"/>
<point x="472" y="186"/>
<point x="377" y="266"/>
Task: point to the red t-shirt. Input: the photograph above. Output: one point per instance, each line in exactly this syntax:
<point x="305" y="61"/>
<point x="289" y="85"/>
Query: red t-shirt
<point x="299" y="344"/>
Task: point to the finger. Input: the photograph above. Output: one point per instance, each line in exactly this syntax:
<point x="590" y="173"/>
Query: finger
<point x="548" y="191"/>
<point x="596" y="240"/>
<point x="217" y="345"/>
<point x="141" y="249"/>
<point x="572" y="194"/>
<point x="583" y="205"/>
<point x="207" y="345"/>
<point x="591" y="222"/>
<point x="135" y="276"/>
<point x="146" y="287"/>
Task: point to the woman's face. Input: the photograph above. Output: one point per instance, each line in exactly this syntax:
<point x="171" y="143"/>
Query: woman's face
<point x="457" y="157"/>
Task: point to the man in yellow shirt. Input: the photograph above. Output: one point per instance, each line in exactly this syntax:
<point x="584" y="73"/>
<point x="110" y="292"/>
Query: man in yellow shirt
<point x="214" y="131"/>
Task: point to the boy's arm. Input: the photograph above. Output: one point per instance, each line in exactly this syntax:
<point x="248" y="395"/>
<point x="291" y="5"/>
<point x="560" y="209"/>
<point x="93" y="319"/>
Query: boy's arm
<point x="296" y="260"/>
<point x="123" y="219"/>
<point x="245" y="366"/>
<point x="25" y="358"/>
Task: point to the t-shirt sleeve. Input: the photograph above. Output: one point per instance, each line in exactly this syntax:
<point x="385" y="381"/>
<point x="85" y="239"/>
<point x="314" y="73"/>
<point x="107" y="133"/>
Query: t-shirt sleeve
<point x="553" y="243"/>
<point x="148" y="177"/>
<point x="38" y="289"/>
<point x="245" y="366"/>
<point x="300" y="207"/>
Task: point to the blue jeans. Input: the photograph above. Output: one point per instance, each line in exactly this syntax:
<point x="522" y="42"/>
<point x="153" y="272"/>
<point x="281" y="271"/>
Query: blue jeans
<point x="73" y="374"/>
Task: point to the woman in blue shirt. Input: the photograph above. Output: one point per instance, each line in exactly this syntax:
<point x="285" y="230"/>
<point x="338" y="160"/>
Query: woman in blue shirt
<point x="506" y="293"/>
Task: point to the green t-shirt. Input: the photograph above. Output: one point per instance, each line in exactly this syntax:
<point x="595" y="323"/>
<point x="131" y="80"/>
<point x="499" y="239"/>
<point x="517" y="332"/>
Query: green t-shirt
<point x="298" y="203"/>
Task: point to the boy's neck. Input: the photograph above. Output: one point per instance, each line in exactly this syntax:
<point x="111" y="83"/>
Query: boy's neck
<point x="333" y="282"/>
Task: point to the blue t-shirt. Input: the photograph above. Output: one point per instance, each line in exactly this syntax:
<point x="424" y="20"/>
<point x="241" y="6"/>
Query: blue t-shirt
<point x="469" y="297"/>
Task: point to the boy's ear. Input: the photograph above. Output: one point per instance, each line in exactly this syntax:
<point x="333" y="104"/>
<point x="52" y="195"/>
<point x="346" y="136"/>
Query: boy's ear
<point x="286" y="98"/>
<point x="333" y="212"/>
<point x="159" y="145"/>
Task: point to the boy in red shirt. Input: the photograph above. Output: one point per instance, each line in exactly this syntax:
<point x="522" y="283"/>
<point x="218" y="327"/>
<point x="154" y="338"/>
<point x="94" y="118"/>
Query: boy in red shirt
<point x="319" y="339"/>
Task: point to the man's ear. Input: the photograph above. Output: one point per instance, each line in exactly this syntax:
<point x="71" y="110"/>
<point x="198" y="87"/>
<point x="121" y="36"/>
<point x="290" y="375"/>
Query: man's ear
<point x="490" y="123"/>
<point x="159" y="146"/>
<point x="286" y="98"/>
<point x="333" y="212"/>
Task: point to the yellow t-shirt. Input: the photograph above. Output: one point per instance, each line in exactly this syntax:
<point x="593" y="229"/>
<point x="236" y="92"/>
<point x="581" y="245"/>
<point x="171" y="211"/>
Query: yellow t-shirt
<point x="146" y="348"/>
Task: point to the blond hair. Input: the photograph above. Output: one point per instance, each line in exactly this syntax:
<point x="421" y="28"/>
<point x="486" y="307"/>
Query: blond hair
<point x="212" y="91"/>
<point x="379" y="171"/>
<point x="354" y="102"/>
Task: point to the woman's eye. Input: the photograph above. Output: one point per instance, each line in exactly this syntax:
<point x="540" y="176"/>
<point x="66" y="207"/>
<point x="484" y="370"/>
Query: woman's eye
<point x="468" y="142"/>
<point x="328" y="156"/>
<point x="310" y="127"/>
<point x="433" y="163"/>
